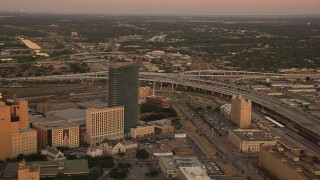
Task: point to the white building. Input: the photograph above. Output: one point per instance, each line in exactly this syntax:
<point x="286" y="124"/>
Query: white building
<point x="92" y="151"/>
<point x="192" y="173"/>
<point x="53" y="154"/>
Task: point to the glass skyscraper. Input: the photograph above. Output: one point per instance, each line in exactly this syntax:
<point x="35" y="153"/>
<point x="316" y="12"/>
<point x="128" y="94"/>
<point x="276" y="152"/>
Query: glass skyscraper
<point x="123" y="91"/>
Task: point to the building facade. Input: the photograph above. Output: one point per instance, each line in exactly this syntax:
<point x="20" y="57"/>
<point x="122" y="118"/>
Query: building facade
<point x="144" y="92"/>
<point x="57" y="133"/>
<point x="249" y="140"/>
<point x="159" y="101"/>
<point x="28" y="171"/>
<point x="241" y="112"/>
<point x="281" y="165"/>
<point x="16" y="136"/>
<point x="123" y="91"/>
<point x="142" y="131"/>
<point x="106" y="123"/>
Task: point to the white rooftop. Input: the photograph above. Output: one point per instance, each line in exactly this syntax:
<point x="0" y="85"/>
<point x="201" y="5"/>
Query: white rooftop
<point x="194" y="173"/>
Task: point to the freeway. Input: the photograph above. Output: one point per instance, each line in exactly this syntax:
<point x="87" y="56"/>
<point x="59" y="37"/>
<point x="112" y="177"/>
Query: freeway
<point x="307" y="122"/>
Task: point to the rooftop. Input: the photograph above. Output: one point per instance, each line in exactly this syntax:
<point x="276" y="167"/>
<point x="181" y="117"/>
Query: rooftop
<point x="54" y="125"/>
<point x="194" y="173"/>
<point x="173" y="162"/>
<point x="31" y="44"/>
<point x="251" y="135"/>
<point x="26" y="130"/>
<point x="48" y="168"/>
<point x="71" y="114"/>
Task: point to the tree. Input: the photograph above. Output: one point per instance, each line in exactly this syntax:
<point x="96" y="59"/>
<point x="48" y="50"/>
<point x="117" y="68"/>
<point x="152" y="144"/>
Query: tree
<point x="118" y="173"/>
<point x="152" y="173"/>
<point x="95" y="173"/>
<point x="315" y="159"/>
<point x="142" y="154"/>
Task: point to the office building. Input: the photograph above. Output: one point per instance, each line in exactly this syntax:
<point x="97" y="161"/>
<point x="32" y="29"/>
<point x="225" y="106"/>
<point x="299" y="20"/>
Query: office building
<point x="159" y="101"/>
<point x="284" y="164"/>
<point x="241" y="112"/>
<point x="16" y="137"/>
<point x="142" y="131"/>
<point x="57" y="133"/>
<point x="162" y="126"/>
<point x="106" y="123"/>
<point x="250" y="140"/>
<point x="123" y="91"/>
<point x="144" y="92"/>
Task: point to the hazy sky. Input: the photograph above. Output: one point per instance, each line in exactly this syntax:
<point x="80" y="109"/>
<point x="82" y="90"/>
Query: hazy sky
<point x="200" y="7"/>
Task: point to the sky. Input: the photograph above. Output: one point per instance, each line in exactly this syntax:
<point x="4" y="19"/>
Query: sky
<point x="170" y="7"/>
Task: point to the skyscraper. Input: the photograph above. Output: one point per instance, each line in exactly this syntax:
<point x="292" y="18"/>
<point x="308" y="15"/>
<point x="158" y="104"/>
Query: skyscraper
<point x="123" y="91"/>
<point x="241" y="112"/>
<point x="15" y="135"/>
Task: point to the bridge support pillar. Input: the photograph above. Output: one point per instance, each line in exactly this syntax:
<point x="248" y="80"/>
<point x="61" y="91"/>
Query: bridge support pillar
<point x="161" y="85"/>
<point x="172" y="87"/>
<point x="92" y="81"/>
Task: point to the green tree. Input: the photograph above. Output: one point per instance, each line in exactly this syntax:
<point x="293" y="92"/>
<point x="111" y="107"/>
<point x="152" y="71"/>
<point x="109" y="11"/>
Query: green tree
<point x="152" y="173"/>
<point x="95" y="173"/>
<point x="315" y="159"/>
<point x="142" y="154"/>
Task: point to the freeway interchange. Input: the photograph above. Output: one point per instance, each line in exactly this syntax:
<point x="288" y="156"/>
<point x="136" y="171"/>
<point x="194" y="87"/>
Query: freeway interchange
<point x="308" y="125"/>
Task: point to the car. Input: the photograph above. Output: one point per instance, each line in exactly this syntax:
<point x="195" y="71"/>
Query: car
<point x="213" y="164"/>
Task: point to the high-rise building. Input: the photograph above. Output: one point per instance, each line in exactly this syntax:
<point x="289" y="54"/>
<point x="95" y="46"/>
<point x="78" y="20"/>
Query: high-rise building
<point x="57" y="133"/>
<point x="107" y="123"/>
<point x="16" y="137"/>
<point x="123" y="91"/>
<point x="241" y="112"/>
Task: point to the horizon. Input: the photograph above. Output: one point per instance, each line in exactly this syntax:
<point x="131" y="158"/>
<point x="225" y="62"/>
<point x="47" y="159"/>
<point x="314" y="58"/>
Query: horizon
<point x="164" y="15"/>
<point x="165" y="7"/>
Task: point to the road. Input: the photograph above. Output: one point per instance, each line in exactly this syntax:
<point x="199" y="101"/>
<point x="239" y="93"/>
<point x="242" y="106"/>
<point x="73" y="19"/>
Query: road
<point x="303" y="119"/>
<point x="227" y="154"/>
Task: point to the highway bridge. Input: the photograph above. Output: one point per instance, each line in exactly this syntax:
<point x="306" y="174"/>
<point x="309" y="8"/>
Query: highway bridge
<point x="310" y="126"/>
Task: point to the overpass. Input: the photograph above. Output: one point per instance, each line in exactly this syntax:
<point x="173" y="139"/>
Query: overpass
<point x="308" y="124"/>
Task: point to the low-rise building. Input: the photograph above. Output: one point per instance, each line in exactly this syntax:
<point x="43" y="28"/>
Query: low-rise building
<point x="162" y="150"/>
<point x="250" y="140"/>
<point x="225" y="110"/>
<point x="94" y="151"/>
<point x="192" y="173"/>
<point x="162" y="126"/>
<point x="142" y="131"/>
<point x="169" y="166"/>
<point x="113" y="147"/>
<point x="159" y="101"/>
<point x="53" y="154"/>
<point x="48" y="169"/>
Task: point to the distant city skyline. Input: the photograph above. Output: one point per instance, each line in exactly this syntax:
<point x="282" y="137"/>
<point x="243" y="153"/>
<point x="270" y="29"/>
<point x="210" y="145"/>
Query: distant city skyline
<point x="170" y="7"/>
